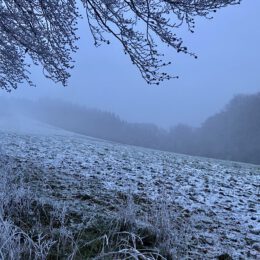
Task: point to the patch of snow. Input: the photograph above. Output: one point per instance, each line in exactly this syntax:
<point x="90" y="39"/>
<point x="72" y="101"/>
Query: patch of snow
<point x="221" y="198"/>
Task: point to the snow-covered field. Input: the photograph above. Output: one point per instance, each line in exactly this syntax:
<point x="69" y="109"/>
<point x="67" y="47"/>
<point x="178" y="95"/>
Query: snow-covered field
<point x="219" y="201"/>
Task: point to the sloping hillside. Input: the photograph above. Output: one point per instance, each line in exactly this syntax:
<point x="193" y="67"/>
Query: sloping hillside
<point x="209" y="207"/>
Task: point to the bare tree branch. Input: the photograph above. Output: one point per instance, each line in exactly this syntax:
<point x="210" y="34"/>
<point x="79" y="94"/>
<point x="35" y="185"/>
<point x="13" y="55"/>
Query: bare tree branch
<point x="45" y="31"/>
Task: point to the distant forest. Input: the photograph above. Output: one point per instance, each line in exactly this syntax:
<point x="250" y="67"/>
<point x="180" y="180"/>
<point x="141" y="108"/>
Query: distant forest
<point x="232" y="134"/>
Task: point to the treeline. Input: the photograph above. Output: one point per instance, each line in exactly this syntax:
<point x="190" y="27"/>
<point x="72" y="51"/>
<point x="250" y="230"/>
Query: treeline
<point x="91" y="122"/>
<point x="232" y="134"/>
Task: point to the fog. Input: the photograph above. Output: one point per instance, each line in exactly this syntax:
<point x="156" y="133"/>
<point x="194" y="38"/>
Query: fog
<point x="198" y="114"/>
<point x="110" y="167"/>
<point x="231" y="134"/>
<point x="104" y="78"/>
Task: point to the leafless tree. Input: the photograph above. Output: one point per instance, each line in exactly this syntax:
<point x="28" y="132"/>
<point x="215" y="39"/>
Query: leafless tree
<point x="45" y="31"/>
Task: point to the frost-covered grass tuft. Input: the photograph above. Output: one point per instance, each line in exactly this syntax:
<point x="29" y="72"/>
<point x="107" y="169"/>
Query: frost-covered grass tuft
<point x="19" y="219"/>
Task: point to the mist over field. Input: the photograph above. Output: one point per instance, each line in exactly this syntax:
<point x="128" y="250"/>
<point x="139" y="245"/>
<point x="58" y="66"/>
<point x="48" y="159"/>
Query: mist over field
<point x="231" y="134"/>
<point x="92" y="197"/>
<point x="129" y="130"/>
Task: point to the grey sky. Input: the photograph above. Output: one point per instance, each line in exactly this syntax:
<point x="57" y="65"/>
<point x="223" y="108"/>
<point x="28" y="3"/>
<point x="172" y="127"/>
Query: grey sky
<point x="228" y="64"/>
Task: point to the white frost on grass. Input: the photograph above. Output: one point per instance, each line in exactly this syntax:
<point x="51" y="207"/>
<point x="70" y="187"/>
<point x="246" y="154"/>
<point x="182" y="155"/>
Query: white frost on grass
<point x="221" y="198"/>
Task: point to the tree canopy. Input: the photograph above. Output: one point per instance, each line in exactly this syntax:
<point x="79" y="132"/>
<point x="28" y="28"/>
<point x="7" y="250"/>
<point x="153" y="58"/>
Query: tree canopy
<point x="45" y="31"/>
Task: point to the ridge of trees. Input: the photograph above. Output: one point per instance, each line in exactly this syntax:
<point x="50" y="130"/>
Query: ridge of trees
<point x="231" y="134"/>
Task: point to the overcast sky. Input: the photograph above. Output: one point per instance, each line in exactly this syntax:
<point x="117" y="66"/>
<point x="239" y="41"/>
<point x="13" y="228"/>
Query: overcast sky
<point x="228" y="64"/>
